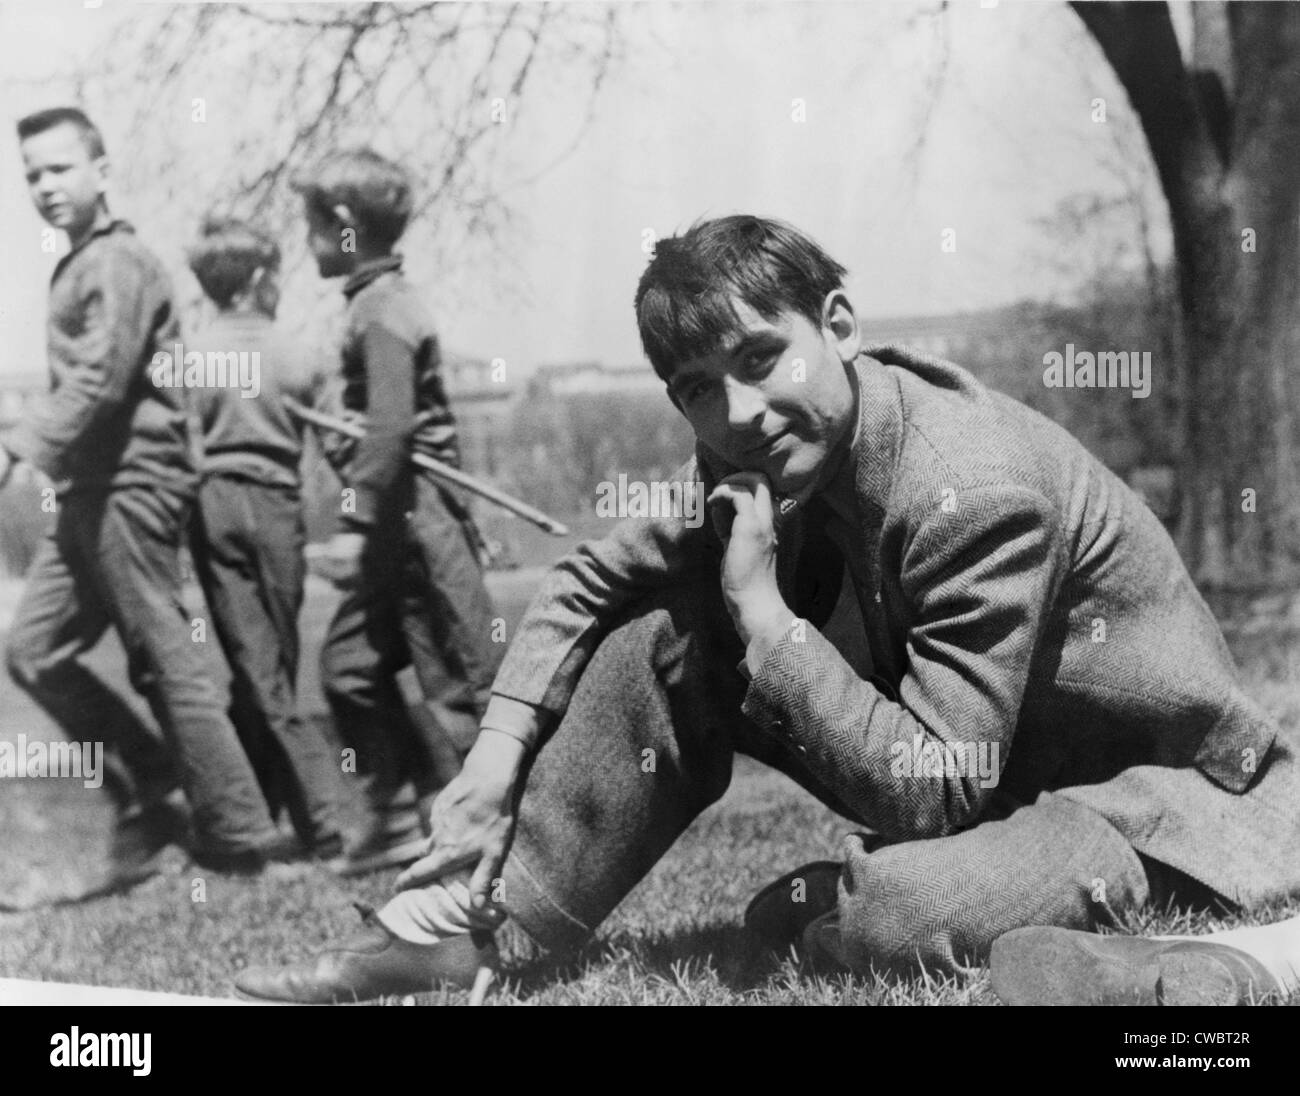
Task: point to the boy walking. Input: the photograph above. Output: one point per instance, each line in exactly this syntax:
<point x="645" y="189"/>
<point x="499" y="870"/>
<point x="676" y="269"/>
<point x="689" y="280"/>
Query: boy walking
<point x="248" y="534"/>
<point x="414" y="592"/>
<point x="118" y="448"/>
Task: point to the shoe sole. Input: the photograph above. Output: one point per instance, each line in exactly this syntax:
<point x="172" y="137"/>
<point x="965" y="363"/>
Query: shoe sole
<point x="1051" y="966"/>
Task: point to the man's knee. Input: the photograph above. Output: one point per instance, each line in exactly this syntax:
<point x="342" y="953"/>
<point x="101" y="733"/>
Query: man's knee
<point x="678" y="632"/>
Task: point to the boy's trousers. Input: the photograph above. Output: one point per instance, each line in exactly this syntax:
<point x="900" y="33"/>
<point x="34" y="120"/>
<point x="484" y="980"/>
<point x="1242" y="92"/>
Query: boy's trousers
<point x="113" y="557"/>
<point x="593" y="820"/>
<point x="421" y="602"/>
<point x="248" y="540"/>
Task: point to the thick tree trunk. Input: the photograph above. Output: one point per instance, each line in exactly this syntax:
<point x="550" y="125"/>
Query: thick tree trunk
<point x="1224" y="139"/>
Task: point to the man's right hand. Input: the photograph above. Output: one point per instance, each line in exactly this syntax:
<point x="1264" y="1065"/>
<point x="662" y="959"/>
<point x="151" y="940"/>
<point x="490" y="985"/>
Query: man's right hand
<point x="473" y="820"/>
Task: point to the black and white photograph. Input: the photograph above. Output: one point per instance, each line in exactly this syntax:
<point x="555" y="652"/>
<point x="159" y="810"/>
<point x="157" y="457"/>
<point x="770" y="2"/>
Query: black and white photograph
<point x="655" y="503"/>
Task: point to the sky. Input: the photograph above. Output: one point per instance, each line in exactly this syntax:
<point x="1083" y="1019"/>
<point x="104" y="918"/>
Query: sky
<point x="821" y="113"/>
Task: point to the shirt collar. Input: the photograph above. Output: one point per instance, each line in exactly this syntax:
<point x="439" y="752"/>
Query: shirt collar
<point x="368" y="271"/>
<point x="105" y="224"/>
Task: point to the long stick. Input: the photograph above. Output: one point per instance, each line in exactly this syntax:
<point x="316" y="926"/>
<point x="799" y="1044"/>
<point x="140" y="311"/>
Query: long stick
<point x="444" y="471"/>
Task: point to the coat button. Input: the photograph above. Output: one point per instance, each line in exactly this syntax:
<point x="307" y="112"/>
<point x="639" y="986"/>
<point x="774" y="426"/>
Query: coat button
<point x="801" y="749"/>
<point x="777" y="725"/>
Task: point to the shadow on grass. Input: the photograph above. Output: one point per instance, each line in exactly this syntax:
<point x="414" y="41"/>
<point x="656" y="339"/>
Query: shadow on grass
<point x="737" y="961"/>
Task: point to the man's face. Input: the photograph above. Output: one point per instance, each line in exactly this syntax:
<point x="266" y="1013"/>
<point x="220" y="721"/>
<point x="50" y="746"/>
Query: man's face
<point x="325" y="238"/>
<point x="65" y="181"/>
<point x="776" y="398"/>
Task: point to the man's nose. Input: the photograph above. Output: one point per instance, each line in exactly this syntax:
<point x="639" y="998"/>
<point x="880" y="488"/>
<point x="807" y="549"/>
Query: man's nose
<point x="745" y="405"/>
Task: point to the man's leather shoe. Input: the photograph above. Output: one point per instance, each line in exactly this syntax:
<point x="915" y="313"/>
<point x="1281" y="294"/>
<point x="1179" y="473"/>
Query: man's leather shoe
<point x="779" y="913"/>
<point x="373" y="963"/>
<point x="1054" y="966"/>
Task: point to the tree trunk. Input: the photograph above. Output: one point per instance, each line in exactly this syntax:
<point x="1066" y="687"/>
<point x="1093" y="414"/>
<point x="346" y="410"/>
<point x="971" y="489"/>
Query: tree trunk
<point x="1224" y="138"/>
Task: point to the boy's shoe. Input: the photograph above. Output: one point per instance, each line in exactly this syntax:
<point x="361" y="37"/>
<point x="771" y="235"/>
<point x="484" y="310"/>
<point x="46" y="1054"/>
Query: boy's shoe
<point x="778" y="914"/>
<point x="388" y="841"/>
<point x="1054" y="966"/>
<point x="291" y="849"/>
<point x="141" y="833"/>
<point x="246" y="862"/>
<point x="372" y="963"/>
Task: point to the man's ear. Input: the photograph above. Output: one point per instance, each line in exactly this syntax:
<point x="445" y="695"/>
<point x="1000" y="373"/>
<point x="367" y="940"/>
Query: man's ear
<point x="841" y="322"/>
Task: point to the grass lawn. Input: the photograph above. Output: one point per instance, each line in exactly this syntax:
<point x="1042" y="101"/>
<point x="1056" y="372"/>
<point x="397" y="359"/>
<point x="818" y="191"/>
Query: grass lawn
<point x="676" y="940"/>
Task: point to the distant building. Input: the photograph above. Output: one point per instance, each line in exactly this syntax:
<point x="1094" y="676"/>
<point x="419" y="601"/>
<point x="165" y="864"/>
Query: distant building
<point x="941" y="336"/>
<point x="572" y="378"/>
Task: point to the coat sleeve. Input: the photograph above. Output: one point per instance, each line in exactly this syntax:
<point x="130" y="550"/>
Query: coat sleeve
<point x="580" y="597"/>
<point x="978" y="583"/>
<point x="97" y="367"/>
<point x="381" y="456"/>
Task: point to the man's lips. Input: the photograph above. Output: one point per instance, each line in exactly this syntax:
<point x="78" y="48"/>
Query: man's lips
<point x="766" y="444"/>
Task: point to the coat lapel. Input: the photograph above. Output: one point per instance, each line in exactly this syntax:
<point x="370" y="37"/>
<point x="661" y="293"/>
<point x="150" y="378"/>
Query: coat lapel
<point x="875" y="457"/>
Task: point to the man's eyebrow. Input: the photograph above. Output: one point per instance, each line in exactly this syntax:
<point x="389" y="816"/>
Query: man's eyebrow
<point x="682" y="377"/>
<point x="755" y="340"/>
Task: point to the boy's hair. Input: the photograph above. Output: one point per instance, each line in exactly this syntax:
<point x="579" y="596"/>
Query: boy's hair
<point x="42" y="120"/>
<point x="227" y="254"/>
<point x="684" y="301"/>
<point x="375" y="189"/>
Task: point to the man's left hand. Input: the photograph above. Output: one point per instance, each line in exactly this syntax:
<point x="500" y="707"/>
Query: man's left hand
<point x="743" y="515"/>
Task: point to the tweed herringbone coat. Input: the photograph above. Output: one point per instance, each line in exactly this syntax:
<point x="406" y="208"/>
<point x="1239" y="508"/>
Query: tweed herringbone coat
<point x="1013" y="591"/>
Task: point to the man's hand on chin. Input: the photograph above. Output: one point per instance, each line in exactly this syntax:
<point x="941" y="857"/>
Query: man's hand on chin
<point x="741" y="507"/>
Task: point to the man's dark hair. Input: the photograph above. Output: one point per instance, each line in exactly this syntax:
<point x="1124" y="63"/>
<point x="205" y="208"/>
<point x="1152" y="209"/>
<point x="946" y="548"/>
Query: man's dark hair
<point x="375" y="189"/>
<point x="684" y="302"/>
<point x="227" y="254"/>
<point x="42" y="120"/>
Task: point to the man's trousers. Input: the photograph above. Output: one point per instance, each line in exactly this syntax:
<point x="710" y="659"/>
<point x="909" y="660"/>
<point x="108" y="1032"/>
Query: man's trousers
<point x="112" y="558"/>
<point x="422" y="603"/>
<point x="248" y="541"/>
<point x="592" y="820"/>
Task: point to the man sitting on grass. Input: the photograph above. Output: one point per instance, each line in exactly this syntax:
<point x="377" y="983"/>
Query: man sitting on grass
<point x="1041" y="725"/>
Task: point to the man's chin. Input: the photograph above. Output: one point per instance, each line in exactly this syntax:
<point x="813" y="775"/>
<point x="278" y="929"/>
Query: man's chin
<point x="796" y="482"/>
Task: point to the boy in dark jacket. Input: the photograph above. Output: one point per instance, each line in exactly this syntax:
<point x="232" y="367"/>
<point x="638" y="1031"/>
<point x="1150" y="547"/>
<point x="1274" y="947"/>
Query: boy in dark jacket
<point x="414" y="592"/>
<point x="117" y="446"/>
<point x="248" y="536"/>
